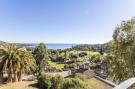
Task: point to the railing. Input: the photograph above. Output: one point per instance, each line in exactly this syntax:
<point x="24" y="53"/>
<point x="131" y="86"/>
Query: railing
<point x="126" y="84"/>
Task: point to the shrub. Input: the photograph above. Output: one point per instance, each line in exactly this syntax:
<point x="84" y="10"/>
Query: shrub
<point x="48" y="82"/>
<point x="74" y="83"/>
<point x="57" y="82"/>
<point x="60" y="59"/>
<point x="82" y="54"/>
<point x="73" y="65"/>
<point x="44" y="81"/>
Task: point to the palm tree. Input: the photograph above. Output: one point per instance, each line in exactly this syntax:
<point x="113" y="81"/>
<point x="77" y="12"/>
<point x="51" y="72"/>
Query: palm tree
<point x="14" y="61"/>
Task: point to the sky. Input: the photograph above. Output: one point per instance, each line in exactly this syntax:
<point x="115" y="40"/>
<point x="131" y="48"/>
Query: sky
<point x="62" y="21"/>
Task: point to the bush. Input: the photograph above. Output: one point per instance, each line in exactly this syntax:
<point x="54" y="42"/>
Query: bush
<point x="82" y="54"/>
<point x="73" y="65"/>
<point x="74" y="83"/>
<point x="66" y="66"/>
<point x="49" y="82"/>
<point x="44" y="81"/>
<point x="57" y="82"/>
<point x="60" y="59"/>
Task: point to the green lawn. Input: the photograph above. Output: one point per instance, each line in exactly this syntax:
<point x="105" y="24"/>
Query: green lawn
<point x="56" y="64"/>
<point x="88" y="52"/>
<point x="97" y="84"/>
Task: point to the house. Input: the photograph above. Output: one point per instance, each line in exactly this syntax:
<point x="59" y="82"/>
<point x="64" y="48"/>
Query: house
<point x="85" y="65"/>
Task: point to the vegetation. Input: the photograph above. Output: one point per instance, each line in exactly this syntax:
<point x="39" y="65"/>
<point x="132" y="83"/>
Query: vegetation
<point x="48" y="82"/>
<point x="122" y="51"/>
<point x="57" y="65"/>
<point x="97" y="84"/>
<point x="118" y="61"/>
<point x="90" y="47"/>
<point x="41" y="56"/>
<point x="92" y="84"/>
<point x="14" y="61"/>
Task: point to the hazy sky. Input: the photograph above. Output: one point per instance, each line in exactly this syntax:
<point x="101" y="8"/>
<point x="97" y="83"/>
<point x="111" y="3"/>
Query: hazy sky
<point x="62" y="21"/>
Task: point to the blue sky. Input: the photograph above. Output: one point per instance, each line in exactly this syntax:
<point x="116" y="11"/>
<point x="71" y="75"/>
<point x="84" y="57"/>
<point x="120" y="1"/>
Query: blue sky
<point x="62" y="21"/>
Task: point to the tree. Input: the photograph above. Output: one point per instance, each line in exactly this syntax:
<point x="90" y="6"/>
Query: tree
<point x="101" y="51"/>
<point x="15" y="61"/>
<point x="41" y="56"/>
<point x="123" y="50"/>
<point x="66" y="55"/>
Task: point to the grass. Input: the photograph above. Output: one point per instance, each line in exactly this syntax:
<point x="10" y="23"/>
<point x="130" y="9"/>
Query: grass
<point x="20" y="85"/>
<point x="56" y="64"/>
<point x="88" y="52"/>
<point x="97" y="84"/>
<point x="93" y="84"/>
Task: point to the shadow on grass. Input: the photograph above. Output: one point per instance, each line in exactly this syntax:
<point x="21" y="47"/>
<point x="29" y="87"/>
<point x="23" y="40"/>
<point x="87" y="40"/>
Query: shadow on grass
<point x="35" y="85"/>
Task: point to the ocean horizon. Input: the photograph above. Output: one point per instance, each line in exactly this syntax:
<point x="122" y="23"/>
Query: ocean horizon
<point x="52" y="45"/>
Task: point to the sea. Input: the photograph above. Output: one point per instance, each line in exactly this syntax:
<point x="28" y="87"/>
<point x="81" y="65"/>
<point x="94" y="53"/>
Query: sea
<point x="54" y="46"/>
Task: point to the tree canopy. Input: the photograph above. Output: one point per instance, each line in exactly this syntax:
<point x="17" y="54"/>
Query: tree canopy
<point x="41" y="56"/>
<point x="123" y="50"/>
<point x="14" y="61"/>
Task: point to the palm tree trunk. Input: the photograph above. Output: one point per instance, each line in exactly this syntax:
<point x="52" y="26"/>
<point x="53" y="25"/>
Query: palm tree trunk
<point x="10" y="77"/>
<point x="15" y="77"/>
<point x="1" y="77"/>
<point x="19" y="75"/>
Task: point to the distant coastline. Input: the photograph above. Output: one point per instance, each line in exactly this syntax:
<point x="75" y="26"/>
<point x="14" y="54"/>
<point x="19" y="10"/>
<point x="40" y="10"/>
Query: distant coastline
<point x="51" y="46"/>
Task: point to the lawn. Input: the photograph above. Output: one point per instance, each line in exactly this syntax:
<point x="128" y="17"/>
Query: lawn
<point x="58" y="65"/>
<point x="88" y="52"/>
<point x="97" y="84"/>
<point x="93" y="84"/>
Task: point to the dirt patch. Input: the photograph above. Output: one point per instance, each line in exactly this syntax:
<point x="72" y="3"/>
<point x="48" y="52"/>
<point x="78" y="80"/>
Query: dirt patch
<point x="20" y="85"/>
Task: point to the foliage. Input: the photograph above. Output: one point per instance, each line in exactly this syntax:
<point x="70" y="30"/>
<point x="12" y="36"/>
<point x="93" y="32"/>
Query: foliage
<point x="74" y="83"/>
<point x="122" y="51"/>
<point x="48" y="82"/>
<point x="15" y="61"/>
<point x="44" y="82"/>
<point x="90" y="47"/>
<point x="59" y="55"/>
<point x="83" y="54"/>
<point x="96" y="58"/>
<point x="41" y="56"/>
